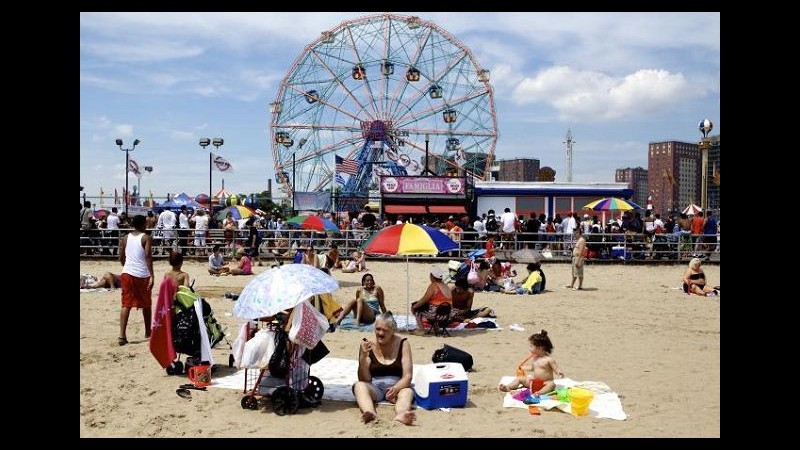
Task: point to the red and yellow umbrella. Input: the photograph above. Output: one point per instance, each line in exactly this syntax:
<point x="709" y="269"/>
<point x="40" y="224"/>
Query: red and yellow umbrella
<point x="409" y="239"/>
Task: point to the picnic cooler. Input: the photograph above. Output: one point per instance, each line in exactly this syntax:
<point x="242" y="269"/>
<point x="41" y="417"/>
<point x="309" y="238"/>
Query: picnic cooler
<point x="441" y="385"/>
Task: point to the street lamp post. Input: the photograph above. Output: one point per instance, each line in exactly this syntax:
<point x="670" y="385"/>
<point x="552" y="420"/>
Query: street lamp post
<point x="127" y="162"/>
<point x="217" y="142"/>
<point x="705" y="128"/>
<point x="147" y="169"/>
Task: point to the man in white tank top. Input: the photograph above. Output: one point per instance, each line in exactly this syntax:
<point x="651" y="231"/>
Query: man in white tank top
<point x="136" y="256"/>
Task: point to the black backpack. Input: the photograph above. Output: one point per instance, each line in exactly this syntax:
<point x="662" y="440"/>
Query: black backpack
<point x="185" y="330"/>
<point x="491" y="225"/>
<point x="454" y="355"/>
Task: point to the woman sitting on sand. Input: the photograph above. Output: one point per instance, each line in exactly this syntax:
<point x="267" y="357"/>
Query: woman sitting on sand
<point x="244" y="267"/>
<point x="357" y="264"/>
<point x="694" y="280"/>
<point x="368" y="303"/>
<point x="384" y="373"/>
<point x="462" y="303"/>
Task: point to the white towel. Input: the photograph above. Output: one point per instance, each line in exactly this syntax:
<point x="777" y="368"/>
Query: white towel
<point x="605" y="404"/>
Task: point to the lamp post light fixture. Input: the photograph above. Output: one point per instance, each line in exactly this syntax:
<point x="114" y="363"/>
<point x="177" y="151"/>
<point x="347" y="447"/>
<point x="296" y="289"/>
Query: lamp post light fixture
<point x="705" y="126"/>
<point x="216" y="142"/>
<point x="127" y="163"/>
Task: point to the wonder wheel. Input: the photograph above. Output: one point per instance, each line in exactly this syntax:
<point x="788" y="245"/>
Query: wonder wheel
<point x="371" y="97"/>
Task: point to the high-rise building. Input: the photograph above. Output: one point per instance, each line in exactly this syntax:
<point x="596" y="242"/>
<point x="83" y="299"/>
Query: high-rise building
<point x="637" y="180"/>
<point x="518" y="169"/>
<point x="674" y="175"/>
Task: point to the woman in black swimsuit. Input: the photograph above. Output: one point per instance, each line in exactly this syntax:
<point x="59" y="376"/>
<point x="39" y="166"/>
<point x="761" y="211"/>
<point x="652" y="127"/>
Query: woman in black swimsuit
<point x="384" y="372"/>
<point x="694" y="280"/>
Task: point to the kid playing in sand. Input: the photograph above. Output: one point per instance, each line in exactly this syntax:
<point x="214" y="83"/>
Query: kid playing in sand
<point x="537" y="371"/>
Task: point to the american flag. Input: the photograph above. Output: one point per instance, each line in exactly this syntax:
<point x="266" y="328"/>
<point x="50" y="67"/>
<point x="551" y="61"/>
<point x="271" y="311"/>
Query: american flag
<point x="346" y="165"/>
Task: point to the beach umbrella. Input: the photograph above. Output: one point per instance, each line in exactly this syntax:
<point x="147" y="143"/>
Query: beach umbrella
<point x="238" y="212"/>
<point x="281" y="288"/>
<point x="527" y="255"/>
<point x="692" y="210"/>
<point x="612" y="204"/>
<point x="408" y="239"/>
<point x="312" y="223"/>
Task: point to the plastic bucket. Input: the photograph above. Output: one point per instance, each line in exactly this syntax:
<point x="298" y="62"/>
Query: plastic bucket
<point x="200" y="375"/>
<point x="579" y="400"/>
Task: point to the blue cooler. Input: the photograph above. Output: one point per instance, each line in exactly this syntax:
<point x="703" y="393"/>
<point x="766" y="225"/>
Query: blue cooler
<point x="619" y="253"/>
<point x="441" y="385"/>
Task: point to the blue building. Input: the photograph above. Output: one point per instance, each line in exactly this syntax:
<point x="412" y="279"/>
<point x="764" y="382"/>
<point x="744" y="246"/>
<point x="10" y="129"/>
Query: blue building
<point x="539" y="197"/>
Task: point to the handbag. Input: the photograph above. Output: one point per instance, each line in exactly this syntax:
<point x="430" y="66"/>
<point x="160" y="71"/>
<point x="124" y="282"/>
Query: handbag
<point x="451" y="354"/>
<point x="313" y="355"/>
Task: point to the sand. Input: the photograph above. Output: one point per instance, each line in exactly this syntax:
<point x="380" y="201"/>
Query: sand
<point x="657" y="348"/>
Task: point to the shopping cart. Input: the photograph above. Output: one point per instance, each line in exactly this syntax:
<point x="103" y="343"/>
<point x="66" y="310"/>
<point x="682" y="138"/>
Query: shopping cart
<point x="296" y="389"/>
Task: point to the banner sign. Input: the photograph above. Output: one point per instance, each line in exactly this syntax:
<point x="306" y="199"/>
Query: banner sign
<point x="422" y="185"/>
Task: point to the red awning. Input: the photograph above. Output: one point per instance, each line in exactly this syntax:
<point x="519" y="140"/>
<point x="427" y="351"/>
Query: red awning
<point x="443" y="209"/>
<point x="404" y="209"/>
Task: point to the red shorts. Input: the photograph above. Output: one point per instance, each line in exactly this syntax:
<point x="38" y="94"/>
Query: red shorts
<point x="135" y="292"/>
<point x="536" y="384"/>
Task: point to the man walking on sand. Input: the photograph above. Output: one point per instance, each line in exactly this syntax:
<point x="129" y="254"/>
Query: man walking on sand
<point x="136" y="256"/>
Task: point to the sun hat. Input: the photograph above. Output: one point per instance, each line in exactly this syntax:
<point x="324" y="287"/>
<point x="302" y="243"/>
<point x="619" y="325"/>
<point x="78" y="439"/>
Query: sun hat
<point x="437" y="273"/>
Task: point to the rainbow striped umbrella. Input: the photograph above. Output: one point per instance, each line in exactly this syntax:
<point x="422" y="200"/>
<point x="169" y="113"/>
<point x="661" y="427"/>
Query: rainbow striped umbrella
<point x="408" y="239"/>
<point x="313" y="223"/>
<point x="612" y="204"/>
<point x="237" y="211"/>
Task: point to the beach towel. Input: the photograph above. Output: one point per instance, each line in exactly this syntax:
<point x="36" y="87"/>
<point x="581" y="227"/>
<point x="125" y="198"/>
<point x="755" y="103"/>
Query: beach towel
<point x="605" y="404"/>
<point x="95" y="290"/>
<point x="161" y="337"/>
<point x="337" y="376"/>
<point x="403" y="323"/>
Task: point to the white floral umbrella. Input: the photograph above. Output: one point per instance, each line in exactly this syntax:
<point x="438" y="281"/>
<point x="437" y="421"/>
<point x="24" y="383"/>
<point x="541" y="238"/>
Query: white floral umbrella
<point x="282" y="288"/>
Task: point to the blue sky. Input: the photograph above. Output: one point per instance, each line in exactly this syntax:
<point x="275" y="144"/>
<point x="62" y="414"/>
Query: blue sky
<point x="617" y="80"/>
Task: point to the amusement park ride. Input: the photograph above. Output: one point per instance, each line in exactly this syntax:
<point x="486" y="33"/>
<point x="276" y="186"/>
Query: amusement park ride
<point x="376" y="91"/>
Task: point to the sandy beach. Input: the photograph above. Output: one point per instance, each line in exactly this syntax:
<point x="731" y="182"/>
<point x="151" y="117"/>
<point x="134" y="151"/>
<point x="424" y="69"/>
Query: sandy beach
<point x="658" y="348"/>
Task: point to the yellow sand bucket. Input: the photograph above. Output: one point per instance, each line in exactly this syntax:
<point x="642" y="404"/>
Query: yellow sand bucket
<point x="579" y="400"/>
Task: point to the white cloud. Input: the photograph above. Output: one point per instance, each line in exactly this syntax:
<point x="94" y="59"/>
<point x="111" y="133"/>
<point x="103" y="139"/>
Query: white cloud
<point x="152" y="50"/>
<point x="585" y="96"/>
<point x="123" y="130"/>
<point x="182" y="135"/>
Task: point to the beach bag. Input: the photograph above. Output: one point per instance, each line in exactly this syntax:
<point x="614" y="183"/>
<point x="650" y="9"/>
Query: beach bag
<point x="313" y="355"/>
<point x="279" y="361"/>
<point x="451" y="354"/>
<point x="308" y="325"/>
<point x="185" y="331"/>
<point x="472" y="276"/>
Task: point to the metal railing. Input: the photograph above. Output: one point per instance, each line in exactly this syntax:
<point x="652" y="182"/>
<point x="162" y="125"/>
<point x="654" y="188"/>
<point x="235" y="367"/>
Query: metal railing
<point x="554" y="247"/>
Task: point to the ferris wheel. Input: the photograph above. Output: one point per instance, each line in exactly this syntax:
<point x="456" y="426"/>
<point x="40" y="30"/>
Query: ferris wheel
<point x="380" y="95"/>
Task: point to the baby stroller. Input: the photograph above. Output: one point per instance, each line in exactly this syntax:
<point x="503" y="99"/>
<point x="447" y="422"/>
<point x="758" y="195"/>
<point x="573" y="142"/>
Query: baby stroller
<point x="186" y="332"/>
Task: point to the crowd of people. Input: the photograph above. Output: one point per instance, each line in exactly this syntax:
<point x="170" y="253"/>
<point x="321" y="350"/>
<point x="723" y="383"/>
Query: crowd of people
<point x="385" y="363"/>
